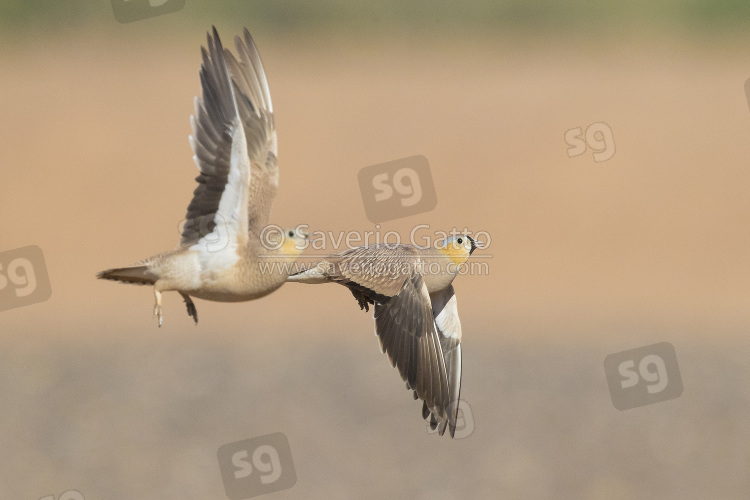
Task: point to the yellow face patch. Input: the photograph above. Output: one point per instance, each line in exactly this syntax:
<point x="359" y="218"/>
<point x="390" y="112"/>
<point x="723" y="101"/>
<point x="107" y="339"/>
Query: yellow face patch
<point x="457" y="254"/>
<point x="289" y="247"/>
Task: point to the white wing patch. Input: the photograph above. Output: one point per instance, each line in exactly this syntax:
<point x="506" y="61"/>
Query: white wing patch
<point x="233" y="204"/>
<point x="447" y="320"/>
<point x="219" y="247"/>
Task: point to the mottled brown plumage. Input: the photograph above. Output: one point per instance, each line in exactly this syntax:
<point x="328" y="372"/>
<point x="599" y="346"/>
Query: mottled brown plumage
<point x="416" y="319"/>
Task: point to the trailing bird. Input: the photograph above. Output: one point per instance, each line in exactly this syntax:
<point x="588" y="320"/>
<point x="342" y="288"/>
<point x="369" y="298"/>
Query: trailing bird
<point x="416" y="317"/>
<point x="220" y="254"/>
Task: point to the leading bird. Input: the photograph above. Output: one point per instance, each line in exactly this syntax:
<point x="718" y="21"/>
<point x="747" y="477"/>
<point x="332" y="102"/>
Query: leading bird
<point x="220" y="253"/>
<point x="416" y="317"/>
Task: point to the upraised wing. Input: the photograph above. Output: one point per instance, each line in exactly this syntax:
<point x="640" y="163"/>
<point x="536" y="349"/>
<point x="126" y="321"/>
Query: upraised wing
<point x="234" y="146"/>
<point x="256" y="110"/>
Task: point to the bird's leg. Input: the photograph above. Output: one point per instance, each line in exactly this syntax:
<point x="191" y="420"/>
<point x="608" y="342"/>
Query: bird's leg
<point x="192" y="311"/>
<point x="361" y="299"/>
<point x="157" y="305"/>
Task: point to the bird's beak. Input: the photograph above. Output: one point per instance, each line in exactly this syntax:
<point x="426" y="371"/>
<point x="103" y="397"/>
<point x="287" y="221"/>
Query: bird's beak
<point x="475" y="244"/>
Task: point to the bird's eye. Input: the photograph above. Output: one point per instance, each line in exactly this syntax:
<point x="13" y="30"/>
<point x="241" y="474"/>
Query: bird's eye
<point x="460" y="240"/>
<point x="291" y="234"/>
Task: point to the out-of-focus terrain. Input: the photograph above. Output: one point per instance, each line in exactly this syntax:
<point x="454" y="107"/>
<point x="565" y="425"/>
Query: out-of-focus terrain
<point x="586" y="259"/>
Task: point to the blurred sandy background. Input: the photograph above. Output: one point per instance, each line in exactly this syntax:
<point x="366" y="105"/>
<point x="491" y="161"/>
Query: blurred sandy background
<point x="587" y="258"/>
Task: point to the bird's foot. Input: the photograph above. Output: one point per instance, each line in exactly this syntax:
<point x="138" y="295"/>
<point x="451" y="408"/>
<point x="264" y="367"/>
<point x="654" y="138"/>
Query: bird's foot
<point x="361" y="300"/>
<point x="158" y="314"/>
<point x="157" y="306"/>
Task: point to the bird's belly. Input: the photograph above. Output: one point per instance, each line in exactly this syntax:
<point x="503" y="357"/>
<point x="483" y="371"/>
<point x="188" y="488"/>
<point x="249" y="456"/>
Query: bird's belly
<point x="235" y="285"/>
<point x="228" y="294"/>
<point x="222" y="278"/>
<point x="437" y="282"/>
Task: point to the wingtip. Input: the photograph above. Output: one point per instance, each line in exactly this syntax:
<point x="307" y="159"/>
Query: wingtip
<point x="442" y="426"/>
<point x="434" y="423"/>
<point x="214" y="41"/>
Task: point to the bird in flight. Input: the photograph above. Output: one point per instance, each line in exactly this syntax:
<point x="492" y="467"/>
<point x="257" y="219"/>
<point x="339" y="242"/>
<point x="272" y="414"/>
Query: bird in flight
<point x="416" y="318"/>
<point x="223" y="244"/>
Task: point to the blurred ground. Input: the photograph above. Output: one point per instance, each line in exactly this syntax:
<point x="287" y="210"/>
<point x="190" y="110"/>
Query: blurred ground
<point x="121" y="418"/>
<point x="587" y="259"/>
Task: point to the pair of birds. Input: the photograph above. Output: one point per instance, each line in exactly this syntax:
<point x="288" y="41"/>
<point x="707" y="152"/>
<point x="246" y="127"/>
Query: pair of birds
<point x="235" y="149"/>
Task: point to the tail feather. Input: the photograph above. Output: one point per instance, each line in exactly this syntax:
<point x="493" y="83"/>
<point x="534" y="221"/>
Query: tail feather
<point x="136" y="275"/>
<point x="314" y="275"/>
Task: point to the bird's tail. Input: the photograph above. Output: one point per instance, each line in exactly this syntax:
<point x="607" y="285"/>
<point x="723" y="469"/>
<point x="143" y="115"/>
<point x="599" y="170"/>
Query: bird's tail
<point x="314" y="275"/>
<point x="136" y="275"/>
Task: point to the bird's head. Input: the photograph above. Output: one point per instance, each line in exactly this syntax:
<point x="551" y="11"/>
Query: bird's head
<point x="293" y="242"/>
<point x="458" y="248"/>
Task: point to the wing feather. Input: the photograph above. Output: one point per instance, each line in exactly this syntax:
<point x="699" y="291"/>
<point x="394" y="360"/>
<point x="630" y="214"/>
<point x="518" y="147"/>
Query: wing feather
<point x="378" y="271"/>
<point x="234" y="146"/>
<point x="405" y="326"/>
<point x="256" y="110"/>
<point x="448" y="325"/>
<point x="219" y="152"/>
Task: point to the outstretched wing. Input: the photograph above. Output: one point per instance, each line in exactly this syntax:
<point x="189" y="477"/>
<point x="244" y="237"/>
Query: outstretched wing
<point x="232" y="131"/>
<point x="256" y="110"/>
<point x="405" y="325"/>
